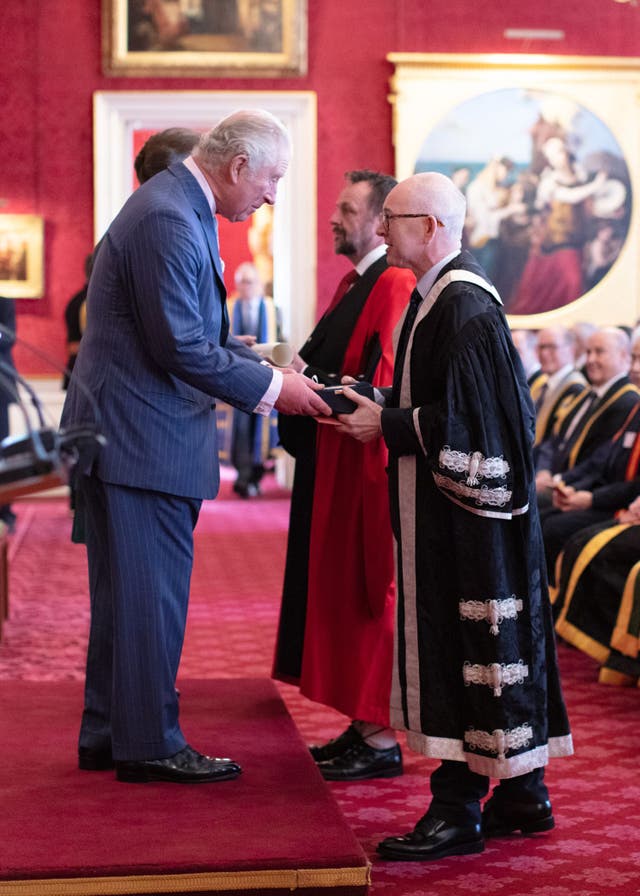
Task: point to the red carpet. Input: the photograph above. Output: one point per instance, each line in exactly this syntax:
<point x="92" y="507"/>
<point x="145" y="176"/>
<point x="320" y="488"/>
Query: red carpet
<point x="277" y="826"/>
<point x="240" y="545"/>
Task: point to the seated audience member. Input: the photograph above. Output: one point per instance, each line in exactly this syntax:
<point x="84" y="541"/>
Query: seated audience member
<point x="526" y="342"/>
<point x="594" y="416"/>
<point x="599" y="596"/>
<point x="253" y="319"/>
<point x="593" y="491"/>
<point x="562" y="381"/>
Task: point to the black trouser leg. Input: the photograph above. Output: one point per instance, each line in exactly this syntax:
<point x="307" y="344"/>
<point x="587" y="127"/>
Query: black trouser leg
<point x="529" y="788"/>
<point x="456" y="793"/>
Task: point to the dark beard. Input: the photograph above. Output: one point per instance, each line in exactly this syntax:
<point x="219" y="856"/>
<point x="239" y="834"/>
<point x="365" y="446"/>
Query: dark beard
<point x="344" y="247"/>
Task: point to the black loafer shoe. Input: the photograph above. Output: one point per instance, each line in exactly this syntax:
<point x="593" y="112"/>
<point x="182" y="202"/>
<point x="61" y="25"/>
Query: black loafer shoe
<point x="432" y="839"/>
<point x="92" y="760"/>
<point x="337" y="746"/>
<point x="500" y="819"/>
<point x="185" y="767"/>
<point x="360" y="761"/>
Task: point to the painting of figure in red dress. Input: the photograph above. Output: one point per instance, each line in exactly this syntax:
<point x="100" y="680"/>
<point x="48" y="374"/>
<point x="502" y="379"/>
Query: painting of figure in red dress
<point x="548" y="193"/>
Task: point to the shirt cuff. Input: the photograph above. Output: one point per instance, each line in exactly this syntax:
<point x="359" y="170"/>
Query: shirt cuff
<point x="379" y="398"/>
<point x="266" y="403"/>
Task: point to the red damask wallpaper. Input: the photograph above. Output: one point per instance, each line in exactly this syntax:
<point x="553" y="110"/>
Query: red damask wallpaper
<point x="50" y="67"/>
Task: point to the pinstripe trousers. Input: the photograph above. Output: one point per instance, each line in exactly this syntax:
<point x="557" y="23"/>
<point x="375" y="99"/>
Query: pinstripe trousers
<point x="140" y="555"/>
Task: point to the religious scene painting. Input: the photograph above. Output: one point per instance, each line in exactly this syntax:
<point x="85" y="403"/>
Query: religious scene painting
<point x="549" y="193"/>
<point x="21" y="256"/>
<point x="223" y="38"/>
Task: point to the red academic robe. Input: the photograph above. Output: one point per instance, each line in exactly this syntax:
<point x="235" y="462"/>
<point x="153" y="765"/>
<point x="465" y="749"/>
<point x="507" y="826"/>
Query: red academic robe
<point x="348" y="642"/>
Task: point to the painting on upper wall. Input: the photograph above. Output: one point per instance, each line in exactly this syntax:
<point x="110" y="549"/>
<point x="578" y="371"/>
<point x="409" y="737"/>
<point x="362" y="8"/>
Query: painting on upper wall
<point x="546" y="167"/>
<point x="205" y="38"/>
<point x="21" y="256"/>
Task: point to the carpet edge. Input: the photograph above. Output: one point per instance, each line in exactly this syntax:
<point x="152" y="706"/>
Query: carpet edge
<point x="217" y="881"/>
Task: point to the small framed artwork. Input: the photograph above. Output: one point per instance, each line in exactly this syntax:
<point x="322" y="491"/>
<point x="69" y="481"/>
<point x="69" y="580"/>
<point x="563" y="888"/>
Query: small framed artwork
<point x="21" y="256"/>
<point x="544" y="149"/>
<point x="205" y="38"/>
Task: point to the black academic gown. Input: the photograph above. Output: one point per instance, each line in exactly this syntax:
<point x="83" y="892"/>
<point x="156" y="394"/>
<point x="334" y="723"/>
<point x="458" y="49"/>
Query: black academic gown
<point x="476" y="677"/>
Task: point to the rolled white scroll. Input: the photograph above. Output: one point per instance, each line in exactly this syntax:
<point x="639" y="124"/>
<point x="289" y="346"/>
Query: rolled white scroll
<point x="278" y="353"/>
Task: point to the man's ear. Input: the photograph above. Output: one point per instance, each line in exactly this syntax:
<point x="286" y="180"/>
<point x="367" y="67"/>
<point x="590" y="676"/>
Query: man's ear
<point x="430" y="226"/>
<point x="235" y="167"/>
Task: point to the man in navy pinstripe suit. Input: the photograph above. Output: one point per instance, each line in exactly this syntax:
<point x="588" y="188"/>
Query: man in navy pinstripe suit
<point x="154" y="354"/>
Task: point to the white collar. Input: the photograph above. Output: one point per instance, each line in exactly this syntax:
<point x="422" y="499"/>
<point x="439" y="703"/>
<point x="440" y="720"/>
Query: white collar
<point x="554" y="379"/>
<point x="191" y="165"/>
<point x="366" y="262"/>
<point x="600" y="390"/>
<point x="429" y="278"/>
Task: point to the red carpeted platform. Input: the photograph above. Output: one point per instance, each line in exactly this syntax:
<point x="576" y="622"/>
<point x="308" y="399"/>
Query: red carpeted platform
<point x="274" y="830"/>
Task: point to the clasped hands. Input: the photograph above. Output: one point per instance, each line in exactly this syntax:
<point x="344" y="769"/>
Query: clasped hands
<point x="566" y="498"/>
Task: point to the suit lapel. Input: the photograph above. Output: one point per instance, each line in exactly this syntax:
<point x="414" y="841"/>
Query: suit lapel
<point x="209" y="225"/>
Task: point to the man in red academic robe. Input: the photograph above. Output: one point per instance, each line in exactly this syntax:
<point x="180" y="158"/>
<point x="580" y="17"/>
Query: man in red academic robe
<point x="335" y="638"/>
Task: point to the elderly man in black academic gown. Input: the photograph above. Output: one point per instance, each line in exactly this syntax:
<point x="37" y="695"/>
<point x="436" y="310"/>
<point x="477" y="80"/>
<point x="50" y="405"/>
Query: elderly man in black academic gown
<point x="475" y="681"/>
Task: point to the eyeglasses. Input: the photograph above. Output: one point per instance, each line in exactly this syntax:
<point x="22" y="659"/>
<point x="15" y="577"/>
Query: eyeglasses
<point x="389" y="216"/>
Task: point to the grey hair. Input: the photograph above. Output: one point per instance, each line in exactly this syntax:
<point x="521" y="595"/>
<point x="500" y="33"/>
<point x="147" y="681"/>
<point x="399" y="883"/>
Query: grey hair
<point x="620" y="338"/>
<point x="253" y="133"/>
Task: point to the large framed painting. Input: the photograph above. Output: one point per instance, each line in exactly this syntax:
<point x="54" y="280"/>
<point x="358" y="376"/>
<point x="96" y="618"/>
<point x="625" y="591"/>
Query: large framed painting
<point x="21" y="256"/>
<point x="207" y="38"/>
<point x="545" y="149"/>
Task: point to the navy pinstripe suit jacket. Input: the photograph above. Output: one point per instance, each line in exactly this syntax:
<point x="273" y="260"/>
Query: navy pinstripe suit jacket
<point x="153" y="353"/>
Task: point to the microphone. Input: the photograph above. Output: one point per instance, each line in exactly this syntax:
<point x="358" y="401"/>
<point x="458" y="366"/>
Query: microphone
<point x="31" y="462"/>
<point x="42" y="458"/>
<point x="12" y="337"/>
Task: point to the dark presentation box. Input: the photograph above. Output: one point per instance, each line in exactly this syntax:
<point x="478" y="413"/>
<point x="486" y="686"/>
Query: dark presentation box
<point x="338" y="401"/>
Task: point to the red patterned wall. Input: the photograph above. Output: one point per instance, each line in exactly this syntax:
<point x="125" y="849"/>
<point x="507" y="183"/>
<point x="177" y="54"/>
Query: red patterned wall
<point x="50" y="67"/>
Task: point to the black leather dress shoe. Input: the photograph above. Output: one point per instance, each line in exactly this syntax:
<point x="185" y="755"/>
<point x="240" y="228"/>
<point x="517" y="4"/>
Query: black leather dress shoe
<point x="92" y="760"/>
<point x="360" y="761"/>
<point x="337" y="746"/>
<point x="432" y="839"/>
<point x="185" y="767"/>
<point x="500" y="819"/>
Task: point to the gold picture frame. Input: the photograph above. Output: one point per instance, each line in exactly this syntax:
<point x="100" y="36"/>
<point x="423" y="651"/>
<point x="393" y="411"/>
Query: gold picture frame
<point x="436" y="99"/>
<point x="204" y="38"/>
<point x="21" y="256"/>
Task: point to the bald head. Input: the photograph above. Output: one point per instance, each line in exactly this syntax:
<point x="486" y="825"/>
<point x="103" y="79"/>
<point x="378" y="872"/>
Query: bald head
<point x="423" y="222"/>
<point x="608" y="355"/>
<point x="437" y="194"/>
